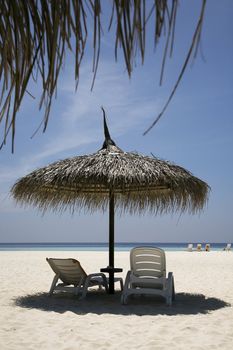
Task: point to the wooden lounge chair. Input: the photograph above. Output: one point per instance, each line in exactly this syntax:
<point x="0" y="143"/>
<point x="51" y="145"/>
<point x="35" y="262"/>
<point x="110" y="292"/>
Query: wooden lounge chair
<point x="190" y="247"/>
<point x="199" y="247"/>
<point x="73" y="277"/>
<point x="228" y="247"/>
<point x="148" y="275"/>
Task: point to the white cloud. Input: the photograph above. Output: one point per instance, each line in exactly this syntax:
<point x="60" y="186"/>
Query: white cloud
<point x="81" y="118"/>
<point x="77" y="122"/>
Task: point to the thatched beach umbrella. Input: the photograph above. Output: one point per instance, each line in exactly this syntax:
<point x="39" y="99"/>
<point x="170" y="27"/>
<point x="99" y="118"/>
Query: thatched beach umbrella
<point x="112" y="178"/>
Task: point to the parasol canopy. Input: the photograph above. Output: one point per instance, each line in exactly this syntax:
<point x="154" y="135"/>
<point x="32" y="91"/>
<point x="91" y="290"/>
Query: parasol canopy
<point x="112" y="179"/>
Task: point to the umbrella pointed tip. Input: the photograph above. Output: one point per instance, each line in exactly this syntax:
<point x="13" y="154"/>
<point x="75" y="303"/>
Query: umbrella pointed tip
<point x="108" y="141"/>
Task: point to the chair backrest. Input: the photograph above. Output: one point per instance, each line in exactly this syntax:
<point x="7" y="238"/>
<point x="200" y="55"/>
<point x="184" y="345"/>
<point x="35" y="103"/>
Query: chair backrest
<point x="69" y="270"/>
<point x="148" y="262"/>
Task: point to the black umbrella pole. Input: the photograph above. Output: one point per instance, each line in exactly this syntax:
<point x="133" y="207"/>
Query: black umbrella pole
<point x="111" y="243"/>
<point x="110" y="269"/>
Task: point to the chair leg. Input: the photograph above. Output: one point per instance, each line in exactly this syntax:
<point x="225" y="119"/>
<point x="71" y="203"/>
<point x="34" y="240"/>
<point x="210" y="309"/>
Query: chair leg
<point x="126" y="287"/>
<point x="173" y="289"/>
<point x="121" y="284"/>
<point x="85" y="288"/>
<point x="169" y="300"/>
<point x="123" y="299"/>
<point x="170" y="289"/>
<point x="53" y="285"/>
<point x="78" y="287"/>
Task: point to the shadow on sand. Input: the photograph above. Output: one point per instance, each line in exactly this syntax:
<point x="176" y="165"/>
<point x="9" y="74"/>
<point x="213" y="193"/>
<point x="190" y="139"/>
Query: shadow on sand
<point x="101" y="303"/>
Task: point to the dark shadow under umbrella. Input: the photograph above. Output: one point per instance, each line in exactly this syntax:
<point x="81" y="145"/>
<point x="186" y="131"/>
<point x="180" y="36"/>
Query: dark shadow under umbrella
<point x="114" y="179"/>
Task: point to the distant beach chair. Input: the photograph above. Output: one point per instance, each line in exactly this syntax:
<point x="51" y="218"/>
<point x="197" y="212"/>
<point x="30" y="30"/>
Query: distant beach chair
<point x="147" y="275"/>
<point x="207" y="247"/>
<point x="228" y="247"/>
<point x="190" y="247"/>
<point x="199" y="247"/>
<point x="71" y="273"/>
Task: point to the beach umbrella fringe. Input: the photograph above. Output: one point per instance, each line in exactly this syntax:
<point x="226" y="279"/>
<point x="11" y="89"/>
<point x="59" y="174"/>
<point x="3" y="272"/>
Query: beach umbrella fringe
<point x="140" y="183"/>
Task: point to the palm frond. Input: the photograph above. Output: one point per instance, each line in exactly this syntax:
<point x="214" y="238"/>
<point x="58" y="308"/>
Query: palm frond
<point x="35" y="36"/>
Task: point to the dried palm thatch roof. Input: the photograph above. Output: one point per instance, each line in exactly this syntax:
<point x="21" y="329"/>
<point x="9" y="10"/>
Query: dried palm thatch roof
<point x="36" y="35"/>
<point x="138" y="183"/>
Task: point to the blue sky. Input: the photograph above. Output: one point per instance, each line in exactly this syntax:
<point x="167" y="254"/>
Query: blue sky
<point x="196" y="133"/>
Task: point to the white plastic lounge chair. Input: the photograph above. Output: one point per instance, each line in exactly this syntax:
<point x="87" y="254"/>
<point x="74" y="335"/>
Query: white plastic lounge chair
<point x="207" y="247"/>
<point x="190" y="247"/>
<point x="228" y="247"/>
<point x="199" y="247"/>
<point x="148" y="275"/>
<point x="71" y="273"/>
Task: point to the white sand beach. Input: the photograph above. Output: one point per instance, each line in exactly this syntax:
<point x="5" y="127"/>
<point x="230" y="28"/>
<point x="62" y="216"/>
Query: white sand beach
<point x="200" y="318"/>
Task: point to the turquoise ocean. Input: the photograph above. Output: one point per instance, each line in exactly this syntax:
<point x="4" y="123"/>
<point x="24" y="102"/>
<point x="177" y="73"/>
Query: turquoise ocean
<point x="119" y="246"/>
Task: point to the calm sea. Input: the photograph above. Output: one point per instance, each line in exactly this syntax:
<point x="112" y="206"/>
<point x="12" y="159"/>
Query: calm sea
<point x="99" y="246"/>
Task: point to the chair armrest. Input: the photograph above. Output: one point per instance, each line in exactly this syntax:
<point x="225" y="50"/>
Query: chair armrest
<point x="88" y="280"/>
<point x="97" y="274"/>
